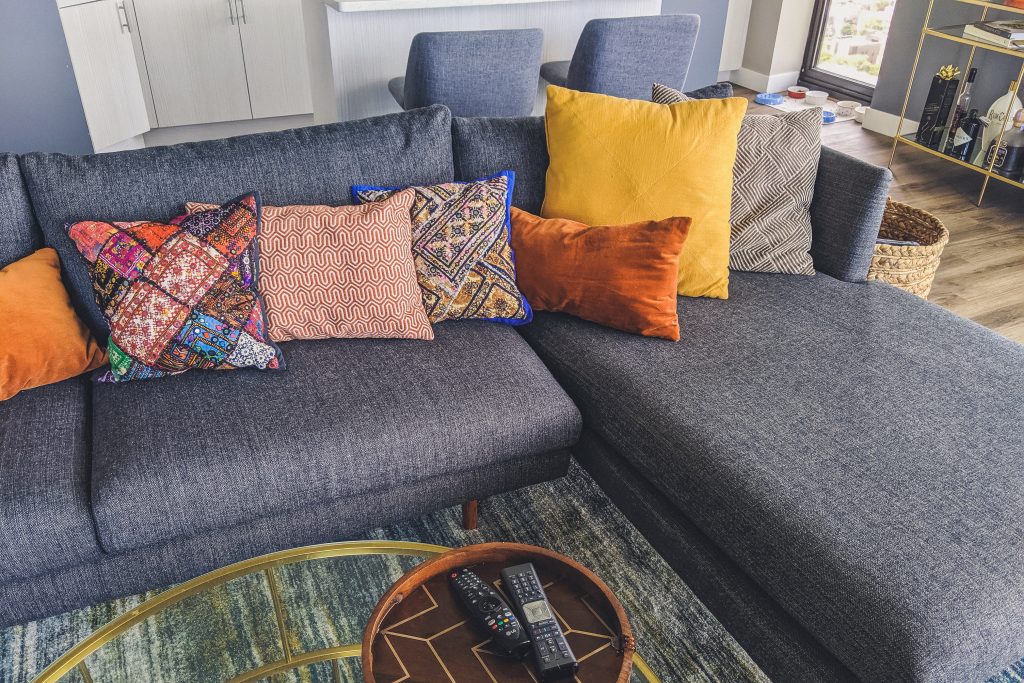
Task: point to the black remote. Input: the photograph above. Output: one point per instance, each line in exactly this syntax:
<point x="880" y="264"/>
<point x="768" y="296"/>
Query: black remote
<point x="490" y="611"/>
<point x="550" y="648"/>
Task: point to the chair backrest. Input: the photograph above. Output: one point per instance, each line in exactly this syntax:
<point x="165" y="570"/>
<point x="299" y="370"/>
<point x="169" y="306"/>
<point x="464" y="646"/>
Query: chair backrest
<point x="475" y="73"/>
<point x="626" y="57"/>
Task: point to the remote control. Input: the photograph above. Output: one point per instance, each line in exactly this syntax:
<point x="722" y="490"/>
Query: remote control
<point x="490" y="611"/>
<point x="550" y="649"/>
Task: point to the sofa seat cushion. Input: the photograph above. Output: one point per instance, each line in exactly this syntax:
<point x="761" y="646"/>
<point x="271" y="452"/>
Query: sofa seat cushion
<point x="179" y="456"/>
<point x="859" y="452"/>
<point x="44" y="481"/>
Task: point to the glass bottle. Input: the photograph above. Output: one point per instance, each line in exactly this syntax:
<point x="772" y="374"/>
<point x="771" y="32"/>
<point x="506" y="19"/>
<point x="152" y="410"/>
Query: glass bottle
<point x="961" y="110"/>
<point x="966" y="137"/>
<point x="1009" y="157"/>
<point x="997" y="121"/>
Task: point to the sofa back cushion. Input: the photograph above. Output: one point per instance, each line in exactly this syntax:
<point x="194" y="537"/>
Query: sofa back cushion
<point x="19" y="234"/>
<point x="485" y="147"/>
<point x="315" y="165"/>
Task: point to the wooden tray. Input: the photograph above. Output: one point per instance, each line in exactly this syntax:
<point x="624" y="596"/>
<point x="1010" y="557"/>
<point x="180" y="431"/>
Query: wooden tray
<point x="419" y="633"/>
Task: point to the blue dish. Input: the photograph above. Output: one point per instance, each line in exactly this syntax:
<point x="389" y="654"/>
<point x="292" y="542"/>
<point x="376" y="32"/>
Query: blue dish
<point x="828" y="117"/>
<point x="768" y="98"/>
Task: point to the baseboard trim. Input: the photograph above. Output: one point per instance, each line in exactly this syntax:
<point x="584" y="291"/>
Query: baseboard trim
<point x="887" y="124"/>
<point x="136" y="142"/>
<point x="764" y="82"/>
<point x="174" y="135"/>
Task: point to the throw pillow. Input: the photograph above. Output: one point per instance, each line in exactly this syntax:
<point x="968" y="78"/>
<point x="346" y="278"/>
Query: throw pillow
<point x="460" y="243"/>
<point x="341" y="272"/>
<point x="620" y="276"/>
<point x="43" y="339"/>
<point x="715" y="91"/>
<point x="616" y="161"/>
<point x="773" y="185"/>
<point x="182" y="296"/>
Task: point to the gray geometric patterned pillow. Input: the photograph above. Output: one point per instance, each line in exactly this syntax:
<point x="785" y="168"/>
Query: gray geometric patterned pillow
<point x="773" y="185"/>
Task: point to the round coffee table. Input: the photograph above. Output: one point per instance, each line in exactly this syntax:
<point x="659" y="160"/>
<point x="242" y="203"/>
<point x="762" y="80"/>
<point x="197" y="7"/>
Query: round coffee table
<point x="286" y="611"/>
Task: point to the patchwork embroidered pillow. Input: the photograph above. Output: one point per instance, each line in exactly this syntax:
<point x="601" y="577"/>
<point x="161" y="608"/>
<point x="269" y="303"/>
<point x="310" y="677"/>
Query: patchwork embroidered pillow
<point x="340" y="271"/>
<point x="182" y="296"/>
<point x="460" y="244"/>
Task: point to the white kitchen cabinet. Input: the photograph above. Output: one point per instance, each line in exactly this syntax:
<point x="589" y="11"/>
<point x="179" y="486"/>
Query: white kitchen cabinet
<point x="224" y="60"/>
<point x="194" y="59"/>
<point x="99" y="42"/>
<point x="273" y="40"/>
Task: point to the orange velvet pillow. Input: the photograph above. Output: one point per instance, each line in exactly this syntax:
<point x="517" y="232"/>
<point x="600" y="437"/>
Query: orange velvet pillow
<point x="619" y="276"/>
<point x="43" y="339"/>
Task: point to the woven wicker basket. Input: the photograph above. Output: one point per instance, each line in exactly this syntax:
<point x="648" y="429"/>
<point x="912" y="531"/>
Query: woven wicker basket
<point x="907" y="267"/>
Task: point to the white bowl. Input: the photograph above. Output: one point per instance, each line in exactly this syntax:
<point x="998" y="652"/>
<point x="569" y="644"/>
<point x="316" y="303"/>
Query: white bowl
<point x="846" y="108"/>
<point x="817" y="98"/>
<point x="859" y="113"/>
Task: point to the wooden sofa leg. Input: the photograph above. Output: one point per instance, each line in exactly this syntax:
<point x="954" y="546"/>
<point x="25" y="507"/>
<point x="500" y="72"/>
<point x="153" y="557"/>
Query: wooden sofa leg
<point x="469" y="510"/>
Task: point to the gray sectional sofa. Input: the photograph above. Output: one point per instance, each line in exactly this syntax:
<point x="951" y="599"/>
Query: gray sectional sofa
<point x="833" y="466"/>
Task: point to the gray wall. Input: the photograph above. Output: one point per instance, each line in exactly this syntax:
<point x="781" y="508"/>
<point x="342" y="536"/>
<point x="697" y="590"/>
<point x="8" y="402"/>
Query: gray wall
<point x="707" y="55"/>
<point x="995" y="71"/>
<point x="40" y="109"/>
<point x="759" y="50"/>
<point x="39" y="105"/>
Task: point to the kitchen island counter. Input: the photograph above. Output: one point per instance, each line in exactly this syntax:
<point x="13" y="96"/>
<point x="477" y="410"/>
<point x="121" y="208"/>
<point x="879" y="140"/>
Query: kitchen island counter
<point x="389" y="5"/>
<point x="356" y="46"/>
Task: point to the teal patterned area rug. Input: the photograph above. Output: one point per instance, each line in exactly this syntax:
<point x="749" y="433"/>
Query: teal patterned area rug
<point x="229" y="630"/>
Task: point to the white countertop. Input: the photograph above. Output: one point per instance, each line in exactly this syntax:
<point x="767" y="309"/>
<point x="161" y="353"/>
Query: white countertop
<point x="388" y="5"/>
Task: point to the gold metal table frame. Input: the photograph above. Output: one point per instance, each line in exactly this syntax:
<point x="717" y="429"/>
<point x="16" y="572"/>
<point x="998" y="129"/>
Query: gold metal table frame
<point x="76" y="656"/>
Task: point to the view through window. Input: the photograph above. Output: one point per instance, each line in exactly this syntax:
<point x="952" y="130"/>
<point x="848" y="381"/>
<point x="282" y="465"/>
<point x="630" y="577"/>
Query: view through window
<point x="852" y="38"/>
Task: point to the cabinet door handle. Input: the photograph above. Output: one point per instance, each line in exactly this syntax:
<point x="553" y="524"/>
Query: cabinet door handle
<point x="231" y="11"/>
<point x="241" y="12"/>
<point x="122" y="17"/>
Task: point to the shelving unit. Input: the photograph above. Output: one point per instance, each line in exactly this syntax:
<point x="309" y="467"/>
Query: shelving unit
<point x="955" y="34"/>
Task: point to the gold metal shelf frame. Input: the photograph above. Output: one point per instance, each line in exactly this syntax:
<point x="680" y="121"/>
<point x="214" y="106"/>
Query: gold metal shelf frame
<point x="942" y="33"/>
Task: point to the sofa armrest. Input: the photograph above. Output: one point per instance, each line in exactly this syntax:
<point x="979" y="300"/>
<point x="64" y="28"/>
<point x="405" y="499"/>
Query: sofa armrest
<point x="849" y="200"/>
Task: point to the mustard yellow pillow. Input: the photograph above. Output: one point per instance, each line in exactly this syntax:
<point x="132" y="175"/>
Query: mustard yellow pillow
<point x="616" y="162"/>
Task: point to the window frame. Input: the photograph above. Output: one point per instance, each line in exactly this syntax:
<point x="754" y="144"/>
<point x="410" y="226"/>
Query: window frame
<point x="818" y="79"/>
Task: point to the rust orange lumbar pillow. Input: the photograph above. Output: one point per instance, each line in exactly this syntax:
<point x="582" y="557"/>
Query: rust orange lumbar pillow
<point x="43" y="339"/>
<point x="620" y="276"/>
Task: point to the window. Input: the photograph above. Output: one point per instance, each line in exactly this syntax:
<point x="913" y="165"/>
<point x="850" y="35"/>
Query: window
<point x="846" y="46"/>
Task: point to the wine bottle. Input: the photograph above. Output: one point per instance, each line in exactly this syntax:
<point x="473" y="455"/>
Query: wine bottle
<point x="961" y="110"/>
<point x="965" y="139"/>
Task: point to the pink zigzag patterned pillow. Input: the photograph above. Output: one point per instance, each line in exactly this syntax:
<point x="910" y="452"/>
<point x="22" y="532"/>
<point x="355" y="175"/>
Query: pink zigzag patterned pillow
<point x="342" y="272"/>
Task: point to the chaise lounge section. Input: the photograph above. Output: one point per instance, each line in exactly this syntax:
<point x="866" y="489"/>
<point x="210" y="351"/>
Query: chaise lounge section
<point x="833" y="466"/>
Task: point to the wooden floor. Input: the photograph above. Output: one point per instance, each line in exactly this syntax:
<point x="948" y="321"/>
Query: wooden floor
<point x="982" y="271"/>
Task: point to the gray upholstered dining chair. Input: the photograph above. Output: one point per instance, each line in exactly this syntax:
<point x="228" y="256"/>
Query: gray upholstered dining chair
<point x="625" y="57"/>
<point x="473" y="73"/>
